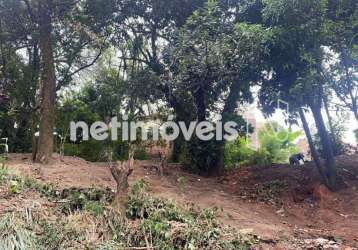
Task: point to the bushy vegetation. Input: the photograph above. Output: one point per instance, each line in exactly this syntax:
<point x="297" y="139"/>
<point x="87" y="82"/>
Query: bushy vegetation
<point x="278" y="142"/>
<point x="85" y="218"/>
<point x="188" y="67"/>
<point x="276" y="145"/>
<point x="95" y="151"/>
<point x="239" y="153"/>
<point x="169" y="226"/>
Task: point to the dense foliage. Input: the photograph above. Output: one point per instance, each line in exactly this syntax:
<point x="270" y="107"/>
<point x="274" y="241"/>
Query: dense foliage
<point x="276" y="144"/>
<point x="194" y="60"/>
<point x="238" y="153"/>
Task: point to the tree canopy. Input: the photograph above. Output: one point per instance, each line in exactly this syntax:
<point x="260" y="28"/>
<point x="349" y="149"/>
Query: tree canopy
<point x="195" y="60"/>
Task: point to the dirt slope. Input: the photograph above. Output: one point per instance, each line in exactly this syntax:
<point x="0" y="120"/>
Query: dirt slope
<point x="283" y="205"/>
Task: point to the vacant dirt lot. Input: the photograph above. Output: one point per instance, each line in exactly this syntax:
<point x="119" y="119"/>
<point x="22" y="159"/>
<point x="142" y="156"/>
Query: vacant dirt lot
<point x="285" y="206"/>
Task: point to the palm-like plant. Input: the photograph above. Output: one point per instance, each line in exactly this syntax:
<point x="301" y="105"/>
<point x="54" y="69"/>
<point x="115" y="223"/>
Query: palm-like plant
<point x="278" y="141"/>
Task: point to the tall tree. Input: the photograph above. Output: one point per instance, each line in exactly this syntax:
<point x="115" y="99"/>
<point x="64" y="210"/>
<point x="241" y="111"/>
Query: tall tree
<point x="216" y="61"/>
<point x="342" y="26"/>
<point x="58" y="43"/>
<point x="296" y="62"/>
<point x="48" y="84"/>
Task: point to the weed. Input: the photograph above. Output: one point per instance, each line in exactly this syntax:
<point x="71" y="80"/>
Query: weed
<point x="14" y="187"/>
<point x="94" y="207"/>
<point x="150" y="222"/>
<point x="4" y="173"/>
<point x="55" y="236"/>
<point x="182" y="183"/>
<point x="14" y="234"/>
<point x="168" y="226"/>
<point x="89" y="199"/>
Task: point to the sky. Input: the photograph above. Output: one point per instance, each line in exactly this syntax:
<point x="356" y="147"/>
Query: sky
<point x="279" y="116"/>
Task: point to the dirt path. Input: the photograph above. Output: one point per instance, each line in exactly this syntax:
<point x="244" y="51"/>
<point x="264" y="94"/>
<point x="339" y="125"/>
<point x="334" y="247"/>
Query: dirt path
<point x="281" y="223"/>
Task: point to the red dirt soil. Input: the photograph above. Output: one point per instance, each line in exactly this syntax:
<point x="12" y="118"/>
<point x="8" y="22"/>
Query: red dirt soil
<point x="300" y="209"/>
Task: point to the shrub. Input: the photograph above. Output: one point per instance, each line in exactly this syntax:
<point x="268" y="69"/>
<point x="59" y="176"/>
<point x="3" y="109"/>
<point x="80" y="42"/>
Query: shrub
<point x="169" y="226"/>
<point x="262" y="158"/>
<point x="203" y="155"/>
<point x="92" y="200"/>
<point x="94" y="207"/>
<point x="94" y="151"/>
<point x="157" y="222"/>
<point x="238" y="153"/>
<point x="278" y="142"/>
<point x="184" y="156"/>
<point x="59" y="235"/>
<point x="91" y="150"/>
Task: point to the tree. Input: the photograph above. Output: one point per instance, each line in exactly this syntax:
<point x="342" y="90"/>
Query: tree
<point x="19" y="76"/>
<point x="342" y="29"/>
<point x="311" y="144"/>
<point x="145" y="36"/>
<point x="121" y="174"/>
<point x="48" y="84"/>
<point x="142" y="31"/>
<point x="54" y="37"/>
<point x="215" y="61"/>
<point x="296" y="63"/>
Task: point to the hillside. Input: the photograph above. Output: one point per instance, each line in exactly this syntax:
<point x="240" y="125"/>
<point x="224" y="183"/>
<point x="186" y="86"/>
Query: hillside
<point x="284" y="207"/>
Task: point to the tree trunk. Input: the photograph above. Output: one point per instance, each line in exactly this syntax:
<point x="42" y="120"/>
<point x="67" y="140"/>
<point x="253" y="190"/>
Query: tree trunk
<point x="176" y="150"/>
<point x="229" y="108"/>
<point x="34" y="139"/>
<point x="120" y="175"/>
<point x="163" y="162"/>
<point x="199" y="100"/>
<point x="177" y="143"/>
<point x="331" y="172"/>
<point x="219" y="168"/>
<point x="325" y="102"/>
<point x="35" y="72"/>
<point x="313" y="149"/>
<point x="48" y="85"/>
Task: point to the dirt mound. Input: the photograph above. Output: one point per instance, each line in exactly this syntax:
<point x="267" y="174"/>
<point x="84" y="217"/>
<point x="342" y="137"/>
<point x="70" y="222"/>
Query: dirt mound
<point x="280" y="203"/>
<point x="300" y="197"/>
